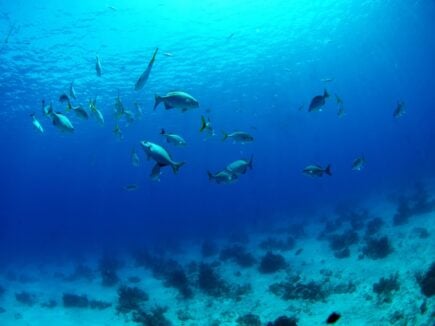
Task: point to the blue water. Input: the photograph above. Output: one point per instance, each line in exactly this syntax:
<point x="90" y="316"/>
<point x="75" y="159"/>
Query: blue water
<point x="252" y="64"/>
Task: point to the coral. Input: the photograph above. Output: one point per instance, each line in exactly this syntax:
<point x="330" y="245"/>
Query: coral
<point x="284" y="321"/>
<point x="343" y="253"/>
<point x="134" y="279"/>
<point x="377" y="248"/>
<point x="108" y="269"/>
<point x="422" y="233"/>
<point x="210" y="282"/>
<point x="82" y="301"/>
<point x="415" y="204"/>
<point x="178" y="279"/>
<point x="49" y="304"/>
<point x="343" y="288"/>
<point x="81" y="272"/>
<point x="427" y="281"/>
<point x="238" y="254"/>
<point x="271" y="263"/>
<point x="385" y="287"/>
<point x="294" y="289"/>
<point x="75" y="301"/>
<point x="249" y="320"/>
<point x="403" y="212"/>
<point x="278" y="244"/>
<point x="26" y="298"/>
<point x="297" y="231"/>
<point x="237" y="291"/>
<point x="100" y="305"/>
<point x="153" y="318"/>
<point x="373" y="226"/>
<point x="341" y="241"/>
<point x="208" y="249"/>
<point x="130" y="298"/>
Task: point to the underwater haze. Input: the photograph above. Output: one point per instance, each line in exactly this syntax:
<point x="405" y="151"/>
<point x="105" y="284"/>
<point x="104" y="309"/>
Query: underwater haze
<point x="329" y="105"/>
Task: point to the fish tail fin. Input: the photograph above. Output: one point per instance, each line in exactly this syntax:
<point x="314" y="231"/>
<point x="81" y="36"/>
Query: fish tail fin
<point x="325" y="93"/>
<point x="203" y="124"/>
<point x="157" y="100"/>
<point x="162" y="131"/>
<point x="328" y="170"/>
<point x="177" y="166"/>
<point x="210" y="175"/>
<point x="225" y="136"/>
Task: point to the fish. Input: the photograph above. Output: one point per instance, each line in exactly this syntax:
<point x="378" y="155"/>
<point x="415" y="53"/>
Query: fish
<point x="119" y="107"/>
<point x="138" y="109"/>
<point x="206" y="125"/>
<point x="135" y="161"/>
<point x="79" y="111"/>
<point x="61" y="122"/>
<point x="72" y="91"/>
<point x="161" y="157"/>
<point x="222" y="177"/>
<point x="238" y="136"/>
<point x="37" y="124"/>
<point x="299" y="251"/>
<point x="131" y="187"/>
<point x="98" y="66"/>
<point x="179" y="100"/>
<point x="46" y="109"/>
<point x="64" y="98"/>
<point x="318" y="102"/>
<point x="317" y="171"/>
<point x="173" y="138"/>
<point x="97" y="113"/>
<point x="341" y="111"/>
<point x="168" y="54"/>
<point x="358" y="163"/>
<point x="400" y="110"/>
<point x="118" y="132"/>
<point x="332" y="318"/>
<point x="327" y="80"/>
<point x="129" y="116"/>
<point x="240" y="166"/>
<point x="144" y="77"/>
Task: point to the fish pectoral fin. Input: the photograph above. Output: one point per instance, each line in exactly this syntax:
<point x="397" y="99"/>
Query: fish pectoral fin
<point x="168" y="106"/>
<point x="155" y="172"/>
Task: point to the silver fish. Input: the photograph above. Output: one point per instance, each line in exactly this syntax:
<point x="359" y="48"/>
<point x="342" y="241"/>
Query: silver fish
<point x="161" y="157"/>
<point x="37" y="124"/>
<point x="222" y="177"/>
<point x="144" y="77"/>
<point x="238" y="136"/>
<point x="358" y="163"/>
<point x="174" y="139"/>
<point x="180" y="100"/>
<point x="317" y="171"/>
<point x="98" y="66"/>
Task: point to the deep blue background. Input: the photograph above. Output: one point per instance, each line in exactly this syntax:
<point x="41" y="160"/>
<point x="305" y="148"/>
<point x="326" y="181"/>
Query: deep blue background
<point x="65" y="191"/>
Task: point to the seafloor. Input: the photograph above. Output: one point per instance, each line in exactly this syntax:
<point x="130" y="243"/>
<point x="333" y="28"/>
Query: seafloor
<point x="372" y="265"/>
